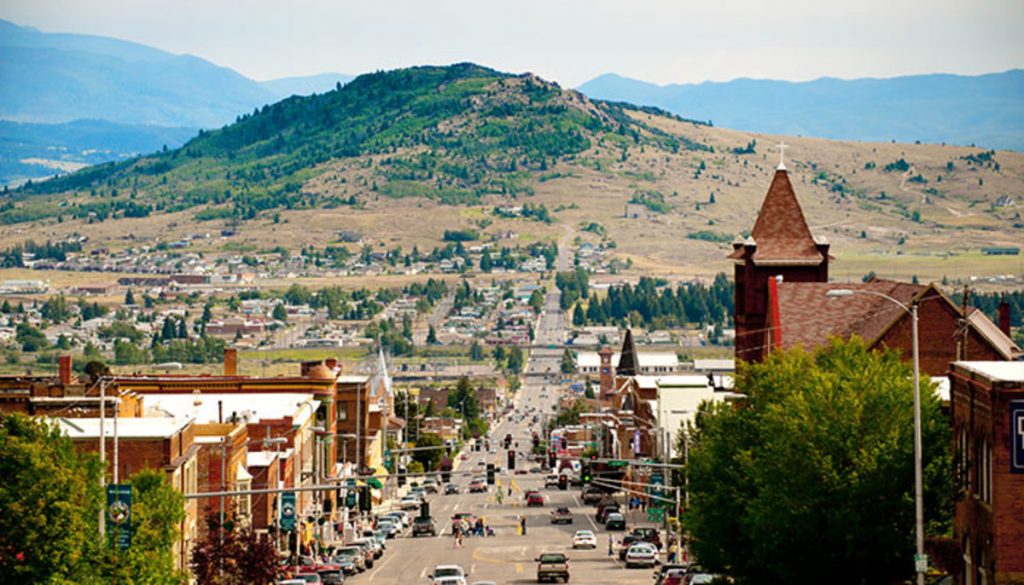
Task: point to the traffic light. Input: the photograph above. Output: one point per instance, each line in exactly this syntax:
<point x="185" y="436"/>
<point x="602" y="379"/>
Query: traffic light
<point x="552" y="459"/>
<point x="563" y="482"/>
<point x="490" y="474"/>
<point x="511" y="459"/>
<point x="586" y="476"/>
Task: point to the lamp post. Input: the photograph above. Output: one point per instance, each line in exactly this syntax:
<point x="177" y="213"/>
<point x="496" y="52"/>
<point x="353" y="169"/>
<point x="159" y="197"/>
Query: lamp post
<point x="920" y="561"/>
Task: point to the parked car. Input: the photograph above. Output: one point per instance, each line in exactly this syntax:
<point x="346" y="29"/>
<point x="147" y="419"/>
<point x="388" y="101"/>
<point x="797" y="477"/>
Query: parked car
<point x="664" y="569"/>
<point x="641" y="554"/>
<point x="309" y="577"/>
<point x="368" y="553"/>
<point x="584" y="539"/>
<point x="423" y="525"/>
<point x="672" y="577"/>
<point x="331" y="575"/>
<point x="561" y="515"/>
<point x="353" y="555"/>
<point x="698" y="579"/>
<point x="615" y="521"/>
<point x="552" y="566"/>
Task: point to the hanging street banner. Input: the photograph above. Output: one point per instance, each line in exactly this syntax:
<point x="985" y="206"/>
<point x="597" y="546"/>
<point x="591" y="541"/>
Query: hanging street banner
<point x="119" y="514"/>
<point x="288" y="511"/>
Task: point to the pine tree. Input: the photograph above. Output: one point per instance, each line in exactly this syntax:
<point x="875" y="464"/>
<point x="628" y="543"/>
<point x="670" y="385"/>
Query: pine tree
<point x="431" y="335"/>
<point x="129" y="298"/>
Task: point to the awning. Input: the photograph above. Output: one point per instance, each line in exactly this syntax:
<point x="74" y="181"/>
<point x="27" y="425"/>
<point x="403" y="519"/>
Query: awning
<point x="374" y="483"/>
<point x="243" y="473"/>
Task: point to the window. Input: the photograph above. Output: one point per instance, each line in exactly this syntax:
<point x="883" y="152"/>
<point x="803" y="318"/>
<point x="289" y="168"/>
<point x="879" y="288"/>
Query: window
<point x="343" y="412"/>
<point x="244" y="503"/>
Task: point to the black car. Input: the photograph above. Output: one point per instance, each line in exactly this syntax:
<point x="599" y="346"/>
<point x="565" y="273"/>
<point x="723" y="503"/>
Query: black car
<point x="450" y="489"/>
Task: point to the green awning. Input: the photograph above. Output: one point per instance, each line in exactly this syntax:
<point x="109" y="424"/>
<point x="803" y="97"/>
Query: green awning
<point x="374" y="483"/>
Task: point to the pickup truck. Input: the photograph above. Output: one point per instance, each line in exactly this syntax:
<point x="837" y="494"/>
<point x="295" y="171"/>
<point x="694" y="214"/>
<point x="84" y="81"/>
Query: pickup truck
<point x="552" y="567"/>
<point x="561" y="515"/>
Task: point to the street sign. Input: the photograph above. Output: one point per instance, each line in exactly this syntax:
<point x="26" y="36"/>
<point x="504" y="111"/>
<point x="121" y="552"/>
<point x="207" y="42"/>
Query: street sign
<point x="119" y="514"/>
<point x="618" y="463"/>
<point x="1017" y="436"/>
<point x="288" y="511"/>
<point x="655" y="514"/>
<point x="921" y="563"/>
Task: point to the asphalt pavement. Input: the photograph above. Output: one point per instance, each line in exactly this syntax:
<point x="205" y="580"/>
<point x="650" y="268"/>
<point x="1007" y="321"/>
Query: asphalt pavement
<point x="508" y="556"/>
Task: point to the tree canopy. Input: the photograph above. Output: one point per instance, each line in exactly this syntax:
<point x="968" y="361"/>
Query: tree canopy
<point x="811" y="479"/>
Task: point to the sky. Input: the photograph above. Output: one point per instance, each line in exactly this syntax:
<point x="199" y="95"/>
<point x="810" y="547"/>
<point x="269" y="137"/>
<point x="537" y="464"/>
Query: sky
<point x="568" y="41"/>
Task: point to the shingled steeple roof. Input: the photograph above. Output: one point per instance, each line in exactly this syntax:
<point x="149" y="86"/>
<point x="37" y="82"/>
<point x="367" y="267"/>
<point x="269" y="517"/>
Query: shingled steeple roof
<point x="629" y="363"/>
<point x="780" y="233"/>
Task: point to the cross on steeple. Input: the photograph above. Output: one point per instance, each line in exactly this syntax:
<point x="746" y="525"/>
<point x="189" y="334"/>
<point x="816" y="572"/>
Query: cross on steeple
<point x="782" y="148"/>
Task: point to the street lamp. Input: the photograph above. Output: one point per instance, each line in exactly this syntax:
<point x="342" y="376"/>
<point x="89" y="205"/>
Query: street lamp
<point x="920" y="561"/>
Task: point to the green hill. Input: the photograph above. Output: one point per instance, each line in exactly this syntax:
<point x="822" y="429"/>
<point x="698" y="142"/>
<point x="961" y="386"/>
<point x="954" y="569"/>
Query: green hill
<point x="453" y="134"/>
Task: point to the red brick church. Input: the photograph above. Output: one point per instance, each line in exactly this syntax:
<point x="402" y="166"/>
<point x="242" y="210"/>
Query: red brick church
<point x="781" y="274"/>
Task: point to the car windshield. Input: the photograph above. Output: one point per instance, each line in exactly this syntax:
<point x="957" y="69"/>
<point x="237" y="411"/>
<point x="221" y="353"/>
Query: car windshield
<point x="422" y="521"/>
<point x="349" y="551"/>
<point x="552" y="558"/>
<point x="584" y="533"/>
<point x="447" y="572"/>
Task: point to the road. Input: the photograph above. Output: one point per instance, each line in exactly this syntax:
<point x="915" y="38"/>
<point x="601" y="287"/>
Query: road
<point x="508" y="557"/>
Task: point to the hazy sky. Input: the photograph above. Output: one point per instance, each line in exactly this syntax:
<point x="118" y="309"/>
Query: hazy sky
<point x="569" y="41"/>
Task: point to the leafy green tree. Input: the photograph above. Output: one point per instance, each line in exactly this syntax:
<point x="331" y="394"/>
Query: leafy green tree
<point x="537" y="300"/>
<point x="56" y="309"/>
<point x="515" y="359"/>
<point x="63" y="342"/>
<point x="589" y="391"/>
<point x="279" y="313"/>
<point x="568" y="364"/>
<point x="431" y="335"/>
<point x="50" y="497"/>
<point x="157" y="511"/>
<point x="429" y="458"/>
<point x="476" y="353"/>
<point x="30" y="338"/>
<point x="811" y="481"/>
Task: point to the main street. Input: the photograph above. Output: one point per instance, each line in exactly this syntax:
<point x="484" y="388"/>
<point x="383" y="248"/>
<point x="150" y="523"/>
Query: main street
<point x="508" y="557"/>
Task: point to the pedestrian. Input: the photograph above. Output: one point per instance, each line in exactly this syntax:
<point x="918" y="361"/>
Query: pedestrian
<point x="611" y="545"/>
<point x="522" y="523"/>
<point x="455" y="535"/>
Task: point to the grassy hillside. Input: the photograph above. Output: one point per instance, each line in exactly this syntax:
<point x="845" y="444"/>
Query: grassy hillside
<point x="404" y="155"/>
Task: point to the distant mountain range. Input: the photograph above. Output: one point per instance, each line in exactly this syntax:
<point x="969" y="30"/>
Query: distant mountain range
<point x="984" y="110"/>
<point x="54" y="78"/>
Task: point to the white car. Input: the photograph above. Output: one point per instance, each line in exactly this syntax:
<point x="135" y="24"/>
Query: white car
<point x="641" y="554"/>
<point x="409" y="503"/>
<point x="448" y="575"/>
<point x="584" y="539"/>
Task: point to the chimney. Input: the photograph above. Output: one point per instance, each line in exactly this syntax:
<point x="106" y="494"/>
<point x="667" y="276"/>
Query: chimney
<point x="230" y="362"/>
<point x="1004" y="317"/>
<point x="64" y="367"/>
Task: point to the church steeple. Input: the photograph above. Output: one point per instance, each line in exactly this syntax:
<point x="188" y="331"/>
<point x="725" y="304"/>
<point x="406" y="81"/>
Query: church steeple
<point x="779" y="245"/>
<point x="629" y="363"/>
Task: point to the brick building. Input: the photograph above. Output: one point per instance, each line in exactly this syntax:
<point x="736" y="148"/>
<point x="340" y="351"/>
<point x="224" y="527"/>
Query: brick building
<point x="782" y="282"/>
<point x="802" y="314"/>
<point x="780" y="244"/>
<point x="160" y="443"/>
<point x="987" y="411"/>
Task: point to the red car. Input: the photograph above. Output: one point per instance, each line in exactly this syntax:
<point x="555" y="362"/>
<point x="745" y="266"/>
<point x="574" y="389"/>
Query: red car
<point x="535" y="499"/>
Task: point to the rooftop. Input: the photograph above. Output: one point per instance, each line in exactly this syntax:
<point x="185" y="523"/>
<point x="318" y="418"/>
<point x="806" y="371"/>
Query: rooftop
<point x="780" y="233"/>
<point x="211" y="406"/>
<point x="995" y="371"/>
<point x="150" y="427"/>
